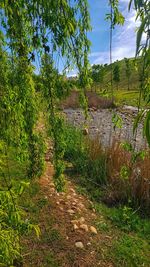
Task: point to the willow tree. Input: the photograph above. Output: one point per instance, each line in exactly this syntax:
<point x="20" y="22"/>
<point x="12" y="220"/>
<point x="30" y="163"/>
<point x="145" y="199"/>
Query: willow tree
<point x="35" y="31"/>
<point x="36" y="28"/>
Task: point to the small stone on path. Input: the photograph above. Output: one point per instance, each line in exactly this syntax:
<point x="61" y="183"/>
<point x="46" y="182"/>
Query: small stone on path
<point x="79" y="245"/>
<point x="81" y="220"/>
<point x="70" y="211"/>
<point x="84" y="227"/>
<point x="72" y="190"/>
<point x="93" y="230"/>
<point x="75" y="227"/>
<point x="74" y="221"/>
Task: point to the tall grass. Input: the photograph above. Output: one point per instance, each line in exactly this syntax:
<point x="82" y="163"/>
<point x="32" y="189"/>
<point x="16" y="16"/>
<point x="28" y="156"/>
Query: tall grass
<point x="130" y="181"/>
<point x="112" y="171"/>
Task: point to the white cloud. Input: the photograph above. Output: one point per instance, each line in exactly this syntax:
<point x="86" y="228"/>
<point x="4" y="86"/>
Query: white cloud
<point x="72" y="73"/>
<point x="118" y="53"/>
<point x="124" y="40"/>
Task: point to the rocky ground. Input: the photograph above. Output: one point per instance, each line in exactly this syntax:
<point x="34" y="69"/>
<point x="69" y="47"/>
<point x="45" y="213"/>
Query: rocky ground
<point x="100" y="124"/>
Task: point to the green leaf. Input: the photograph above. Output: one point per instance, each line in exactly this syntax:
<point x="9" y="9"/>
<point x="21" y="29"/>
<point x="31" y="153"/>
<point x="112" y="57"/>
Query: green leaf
<point x="147" y="127"/>
<point x="130" y="3"/>
<point x="127" y="146"/>
<point x="23" y="186"/>
<point x="139" y="34"/>
<point x="137" y="120"/>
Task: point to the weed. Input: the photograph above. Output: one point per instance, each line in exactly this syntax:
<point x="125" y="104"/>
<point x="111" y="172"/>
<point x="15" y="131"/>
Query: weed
<point x="42" y="202"/>
<point x="125" y="218"/>
<point x="102" y="226"/>
<point x="81" y="190"/>
<point x="51" y="236"/>
<point x="51" y="261"/>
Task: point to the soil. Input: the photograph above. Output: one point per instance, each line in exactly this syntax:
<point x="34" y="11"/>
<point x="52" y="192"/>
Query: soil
<point x="72" y="101"/>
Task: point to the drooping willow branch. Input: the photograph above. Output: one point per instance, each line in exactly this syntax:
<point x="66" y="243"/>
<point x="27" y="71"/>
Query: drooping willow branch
<point x="143" y="51"/>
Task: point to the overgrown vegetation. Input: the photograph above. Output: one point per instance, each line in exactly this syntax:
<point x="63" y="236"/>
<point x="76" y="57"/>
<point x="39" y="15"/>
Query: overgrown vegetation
<point x="40" y="31"/>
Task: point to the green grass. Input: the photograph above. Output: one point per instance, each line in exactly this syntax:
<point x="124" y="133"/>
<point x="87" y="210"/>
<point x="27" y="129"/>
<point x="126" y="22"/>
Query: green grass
<point x="51" y="260"/>
<point x="130" y="251"/>
<point x="124" y="97"/>
<point x="129" y="235"/>
<point x="129" y="98"/>
<point x="125" y="219"/>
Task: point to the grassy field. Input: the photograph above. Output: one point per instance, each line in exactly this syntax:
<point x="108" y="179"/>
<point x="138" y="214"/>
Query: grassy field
<point x="123" y="97"/>
<point x="130" y="98"/>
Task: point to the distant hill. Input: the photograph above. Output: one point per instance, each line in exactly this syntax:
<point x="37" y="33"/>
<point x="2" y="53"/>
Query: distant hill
<point x="104" y="82"/>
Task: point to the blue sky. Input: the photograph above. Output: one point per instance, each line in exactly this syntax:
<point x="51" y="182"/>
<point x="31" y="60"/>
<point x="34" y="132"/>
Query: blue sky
<point x="124" y="37"/>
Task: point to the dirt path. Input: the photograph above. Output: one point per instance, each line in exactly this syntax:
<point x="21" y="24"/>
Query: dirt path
<point x="68" y="235"/>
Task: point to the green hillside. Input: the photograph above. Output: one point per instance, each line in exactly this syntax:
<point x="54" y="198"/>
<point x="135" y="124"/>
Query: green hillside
<point x="104" y="82"/>
<point x="126" y="89"/>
